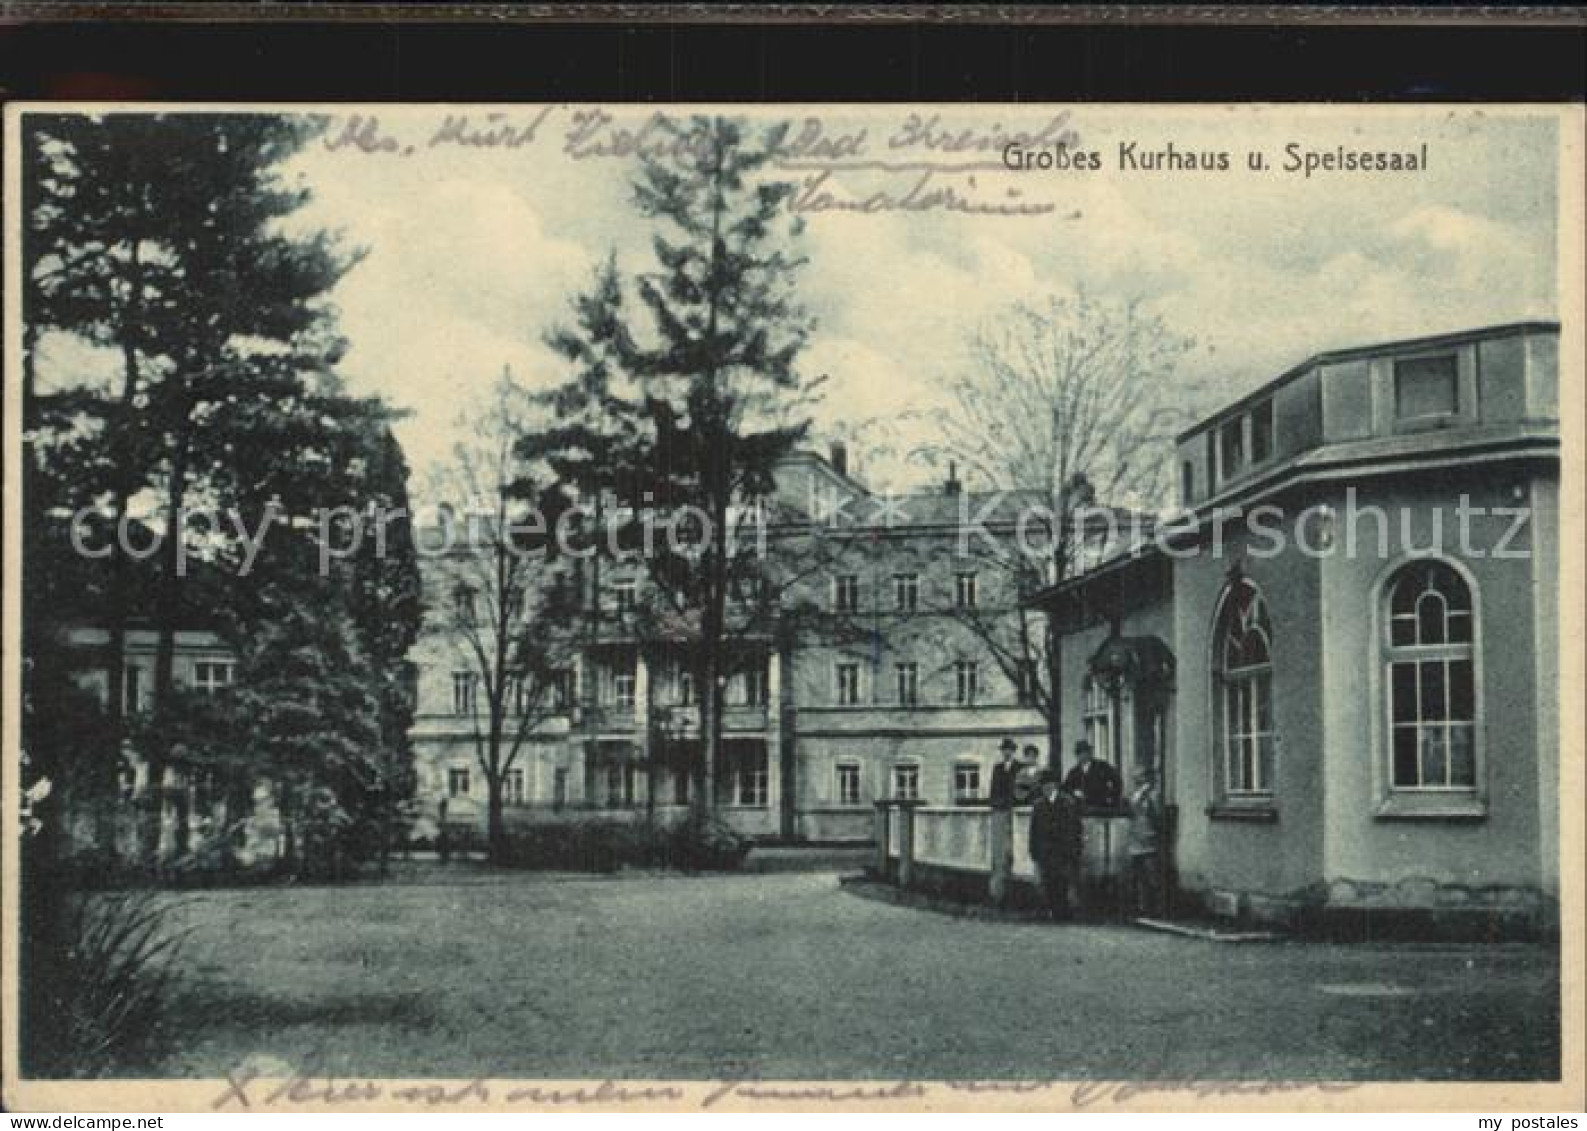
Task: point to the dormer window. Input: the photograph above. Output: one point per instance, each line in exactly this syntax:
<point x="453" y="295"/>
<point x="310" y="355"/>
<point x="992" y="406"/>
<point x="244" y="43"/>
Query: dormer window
<point x="1426" y="387"/>
<point x="1261" y="431"/>
<point x="1231" y="447"/>
<point x="1243" y="441"/>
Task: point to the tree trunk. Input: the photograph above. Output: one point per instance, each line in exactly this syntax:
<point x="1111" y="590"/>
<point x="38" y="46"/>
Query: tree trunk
<point x="712" y="626"/>
<point x="495" y="826"/>
<point x="1055" y="730"/>
<point x="286" y="806"/>
<point x="1055" y="659"/>
<point x="168" y="611"/>
<point x="710" y="726"/>
<point x="116" y="705"/>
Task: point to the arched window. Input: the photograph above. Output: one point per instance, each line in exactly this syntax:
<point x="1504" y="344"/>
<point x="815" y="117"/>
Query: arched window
<point x="1243" y="676"/>
<point x="1430" y="657"/>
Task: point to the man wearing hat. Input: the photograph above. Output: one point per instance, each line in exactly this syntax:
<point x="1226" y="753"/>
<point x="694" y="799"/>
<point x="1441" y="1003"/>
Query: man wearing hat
<point x="1055" y="844"/>
<point x="1145" y="844"/>
<point x="1004" y="775"/>
<point x="1095" y="783"/>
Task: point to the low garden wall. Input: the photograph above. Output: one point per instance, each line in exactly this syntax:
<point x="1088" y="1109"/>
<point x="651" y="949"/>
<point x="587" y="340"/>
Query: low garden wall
<point x="982" y="854"/>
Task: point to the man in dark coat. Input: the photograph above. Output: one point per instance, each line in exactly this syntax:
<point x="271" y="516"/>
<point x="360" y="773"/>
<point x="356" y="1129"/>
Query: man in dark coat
<point x="1056" y="839"/>
<point x="1004" y="775"/>
<point x="1095" y="783"/>
<point x="1145" y="844"/>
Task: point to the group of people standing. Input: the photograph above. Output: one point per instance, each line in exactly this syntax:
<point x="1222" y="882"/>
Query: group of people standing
<point x="1057" y="835"/>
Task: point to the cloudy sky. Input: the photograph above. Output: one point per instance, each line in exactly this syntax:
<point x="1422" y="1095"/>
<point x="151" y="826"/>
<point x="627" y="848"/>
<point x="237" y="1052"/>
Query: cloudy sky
<point x="473" y="250"/>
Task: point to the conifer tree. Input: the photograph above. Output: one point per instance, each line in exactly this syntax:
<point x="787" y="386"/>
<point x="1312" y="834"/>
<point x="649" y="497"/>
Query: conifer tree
<point x="716" y="399"/>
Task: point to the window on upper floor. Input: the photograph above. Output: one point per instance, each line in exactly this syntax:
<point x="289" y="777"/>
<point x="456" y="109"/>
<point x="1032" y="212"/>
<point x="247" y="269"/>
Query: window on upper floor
<point x="565" y="687"/>
<point x="512" y="787"/>
<point x="906" y="781"/>
<point x="1027" y="682"/>
<point x="906" y="591"/>
<point x="132" y="689"/>
<point x="908" y="677"/>
<point x="846" y="593"/>
<point x="624" y="686"/>
<point x="463" y="602"/>
<point x="966" y="781"/>
<point x="848" y="684"/>
<point x="967" y="682"/>
<point x="457" y="781"/>
<point x="1426" y="387"/>
<point x="210" y="676"/>
<point x="754" y="683"/>
<point x="965" y="590"/>
<point x="1242" y="442"/>
<point x="848" y="783"/>
<point x="464" y="686"/>
<point x="1261" y="431"/>
<point x="1231" y="447"/>
<point x="625" y="595"/>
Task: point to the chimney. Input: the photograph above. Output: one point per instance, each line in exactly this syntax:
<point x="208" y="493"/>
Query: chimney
<point x="840" y="458"/>
<point x="952" y="486"/>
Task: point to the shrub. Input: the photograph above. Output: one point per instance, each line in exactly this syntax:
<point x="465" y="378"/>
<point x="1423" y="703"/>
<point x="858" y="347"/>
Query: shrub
<point x="97" y="979"/>
<point x="571" y="846"/>
<point x="707" y="843"/>
<point x="324" y="826"/>
<point x="604" y="845"/>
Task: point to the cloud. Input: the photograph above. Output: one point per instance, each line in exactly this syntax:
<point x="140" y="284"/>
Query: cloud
<point x="474" y="253"/>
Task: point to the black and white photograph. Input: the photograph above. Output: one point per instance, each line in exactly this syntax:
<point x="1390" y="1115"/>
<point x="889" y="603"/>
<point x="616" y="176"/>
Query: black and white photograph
<point x="761" y="606"/>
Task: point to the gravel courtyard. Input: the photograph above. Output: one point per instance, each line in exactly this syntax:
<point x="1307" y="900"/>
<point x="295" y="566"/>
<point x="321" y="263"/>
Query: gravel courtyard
<point x="462" y="973"/>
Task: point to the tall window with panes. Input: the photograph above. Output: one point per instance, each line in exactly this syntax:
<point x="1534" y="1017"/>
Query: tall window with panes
<point x="753" y="682"/>
<point x="847" y="676"/>
<point x="465" y="686"/>
<point x="848" y="783"/>
<point x="967" y="682"/>
<point x="907" y="675"/>
<point x="1243" y="676"/>
<point x="906" y="781"/>
<point x="966" y="781"/>
<point x="1431" y="658"/>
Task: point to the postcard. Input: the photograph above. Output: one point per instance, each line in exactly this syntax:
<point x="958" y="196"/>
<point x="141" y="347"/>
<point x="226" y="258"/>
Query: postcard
<point x="765" y="607"/>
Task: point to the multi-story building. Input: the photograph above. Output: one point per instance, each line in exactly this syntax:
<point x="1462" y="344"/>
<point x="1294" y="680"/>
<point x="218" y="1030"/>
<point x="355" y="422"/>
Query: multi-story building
<point x="1344" y="658"/>
<point x="195" y="808"/>
<point x="873" y="679"/>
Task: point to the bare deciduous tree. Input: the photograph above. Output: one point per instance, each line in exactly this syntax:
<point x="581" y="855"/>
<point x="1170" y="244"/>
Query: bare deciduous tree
<point x="1069" y="411"/>
<point x="501" y="596"/>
